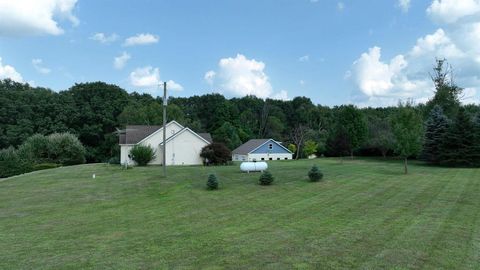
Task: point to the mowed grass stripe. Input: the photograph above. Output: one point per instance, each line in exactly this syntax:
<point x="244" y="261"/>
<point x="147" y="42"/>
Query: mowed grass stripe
<point x="411" y="247"/>
<point x="363" y="214"/>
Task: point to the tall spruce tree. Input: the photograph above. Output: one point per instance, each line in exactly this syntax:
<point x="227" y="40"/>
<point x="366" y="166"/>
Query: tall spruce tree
<point x="476" y="123"/>
<point x="447" y="93"/>
<point x="458" y="145"/>
<point x="435" y="129"/>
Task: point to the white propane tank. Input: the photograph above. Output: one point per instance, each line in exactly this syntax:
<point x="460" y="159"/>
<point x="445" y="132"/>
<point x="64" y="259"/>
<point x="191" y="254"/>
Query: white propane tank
<point x="253" y="166"/>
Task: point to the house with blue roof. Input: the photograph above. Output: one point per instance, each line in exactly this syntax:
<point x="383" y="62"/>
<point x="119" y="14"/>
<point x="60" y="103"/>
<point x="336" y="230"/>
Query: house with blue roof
<point x="261" y="149"/>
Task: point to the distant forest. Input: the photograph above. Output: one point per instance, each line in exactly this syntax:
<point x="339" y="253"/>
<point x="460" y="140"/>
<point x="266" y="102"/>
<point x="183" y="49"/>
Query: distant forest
<point x="94" y="111"/>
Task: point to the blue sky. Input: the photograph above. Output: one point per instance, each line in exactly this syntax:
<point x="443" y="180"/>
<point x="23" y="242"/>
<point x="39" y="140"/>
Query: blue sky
<point x="370" y="53"/>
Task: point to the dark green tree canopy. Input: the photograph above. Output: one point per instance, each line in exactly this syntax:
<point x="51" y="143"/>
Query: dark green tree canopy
<point x="436" y="127"/>
<point x="459" y="146"/>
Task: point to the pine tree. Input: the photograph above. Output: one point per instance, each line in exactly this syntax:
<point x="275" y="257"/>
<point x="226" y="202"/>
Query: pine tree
<point x="315" y="174"/>
<point x="476" y="123"/>
<point x="212" y="182"/>
<point x="458" y="145"/>
<point x="435" y="129"/>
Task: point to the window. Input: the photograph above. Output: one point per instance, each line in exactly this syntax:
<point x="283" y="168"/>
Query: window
<point x="278" y="158"/>
<point x="286" y="158"/>
<point x="263" y="158"/>
<point x="270" y="146"/>
<point x="271" y="158"/>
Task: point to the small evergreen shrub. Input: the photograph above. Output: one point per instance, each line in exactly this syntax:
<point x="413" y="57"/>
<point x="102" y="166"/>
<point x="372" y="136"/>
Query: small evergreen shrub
<point x="266" y="178"/>
<point x="212" y="182"/>
<point x="315" y="174"/>
<point x="45" y="166"/>
<point x="142" y="155"/>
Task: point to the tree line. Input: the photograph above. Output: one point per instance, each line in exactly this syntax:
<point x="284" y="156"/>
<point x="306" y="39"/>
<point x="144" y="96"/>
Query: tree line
<point x="94" y="111"/>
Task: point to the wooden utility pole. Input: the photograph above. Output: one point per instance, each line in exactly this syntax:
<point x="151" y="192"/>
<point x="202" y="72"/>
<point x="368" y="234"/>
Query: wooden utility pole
<point x="164" y="129"/>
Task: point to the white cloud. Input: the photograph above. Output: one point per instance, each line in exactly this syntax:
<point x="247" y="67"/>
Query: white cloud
<point x="302" y="82"/>
<point x="470" y="96"/>
<point x="120" y="61"/>
<point x="450" y="11"/>
<point x="241" y="76"/>
<point x="145" y="77"/>
<point x="35" y="17"/>
<point x="141" y="39"/>
<point x="281" y="95"/>
<point x="439" y="43"/>
<point x="340" y="6"/>
<point x="304" y="58"/>
<point x="210" y="76"/>
<point x="38" y="65"/>
<point x="375" y="77"/>
<point x="9" y="72"/>
<point x="407" y="75"/>
<point x="104" y="38"/>
<point x="172" y="85"/>
<point x="148" y="78"/>
<point x="404" y="5"/>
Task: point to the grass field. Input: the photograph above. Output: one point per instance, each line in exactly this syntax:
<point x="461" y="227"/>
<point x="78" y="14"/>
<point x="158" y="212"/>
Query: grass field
<point x="366" y="214"/>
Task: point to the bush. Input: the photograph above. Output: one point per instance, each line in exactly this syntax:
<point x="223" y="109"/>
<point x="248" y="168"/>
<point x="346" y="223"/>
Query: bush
<point x="142" y="155"/>
<point x="315" y="174"/>
<point x="66" y="149"/>
<point x="212" y="182"/>
<point x="266" y="178"/>
<point x="60" y="148"/>
<point x="11" y="163"/>
<point x="216" y="153"/>
<point x="36" y="149"/>
<point x="114" y="160"/>
<point x="45" y="166"/>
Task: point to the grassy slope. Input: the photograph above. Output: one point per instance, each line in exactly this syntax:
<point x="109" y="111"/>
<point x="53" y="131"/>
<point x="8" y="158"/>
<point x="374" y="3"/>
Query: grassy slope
<point x="366" y="215"/>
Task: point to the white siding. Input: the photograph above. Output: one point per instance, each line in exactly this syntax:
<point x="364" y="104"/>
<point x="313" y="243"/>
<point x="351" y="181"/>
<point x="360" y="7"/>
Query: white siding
<point x="183" y="150"/>
<point x="157" y="138"/>
<point x="266" y="156"/>
<point x="124" y="152"/>
<point x="238" y="157"/>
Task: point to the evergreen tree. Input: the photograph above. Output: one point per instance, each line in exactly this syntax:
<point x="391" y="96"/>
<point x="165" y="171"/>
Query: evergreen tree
<point x="458" y="145"/>
<point x="447" y="94"/>
<point x="435" y="129"/>
<point x="212" y="182"/>
<point x="476" y="122"/>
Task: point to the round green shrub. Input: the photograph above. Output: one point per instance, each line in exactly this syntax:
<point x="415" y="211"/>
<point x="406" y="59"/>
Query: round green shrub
<point x="212" y="182"/>
<point x="266" y="178"/>
<point x="315" y="174"/>
<point x="36" y="149"/>
<point x="142" y="155"/>
<point x="66" y="149"/>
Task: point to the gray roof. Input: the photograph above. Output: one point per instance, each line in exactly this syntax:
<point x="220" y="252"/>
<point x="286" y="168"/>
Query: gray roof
<point x="133" y="134"/>
<point x="249" y="146"/>
<point x="206" y="136"/>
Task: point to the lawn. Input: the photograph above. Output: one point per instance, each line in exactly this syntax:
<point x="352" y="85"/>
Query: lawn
<point x="365" y="214"/>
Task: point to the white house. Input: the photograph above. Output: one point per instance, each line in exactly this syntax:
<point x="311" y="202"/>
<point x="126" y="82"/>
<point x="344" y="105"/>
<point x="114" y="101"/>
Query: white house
<point x="182" y="144"/>
<point x="261" y="149"/>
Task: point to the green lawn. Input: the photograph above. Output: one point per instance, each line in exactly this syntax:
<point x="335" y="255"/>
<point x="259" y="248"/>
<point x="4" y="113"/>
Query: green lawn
<point x="366" y="214"/>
